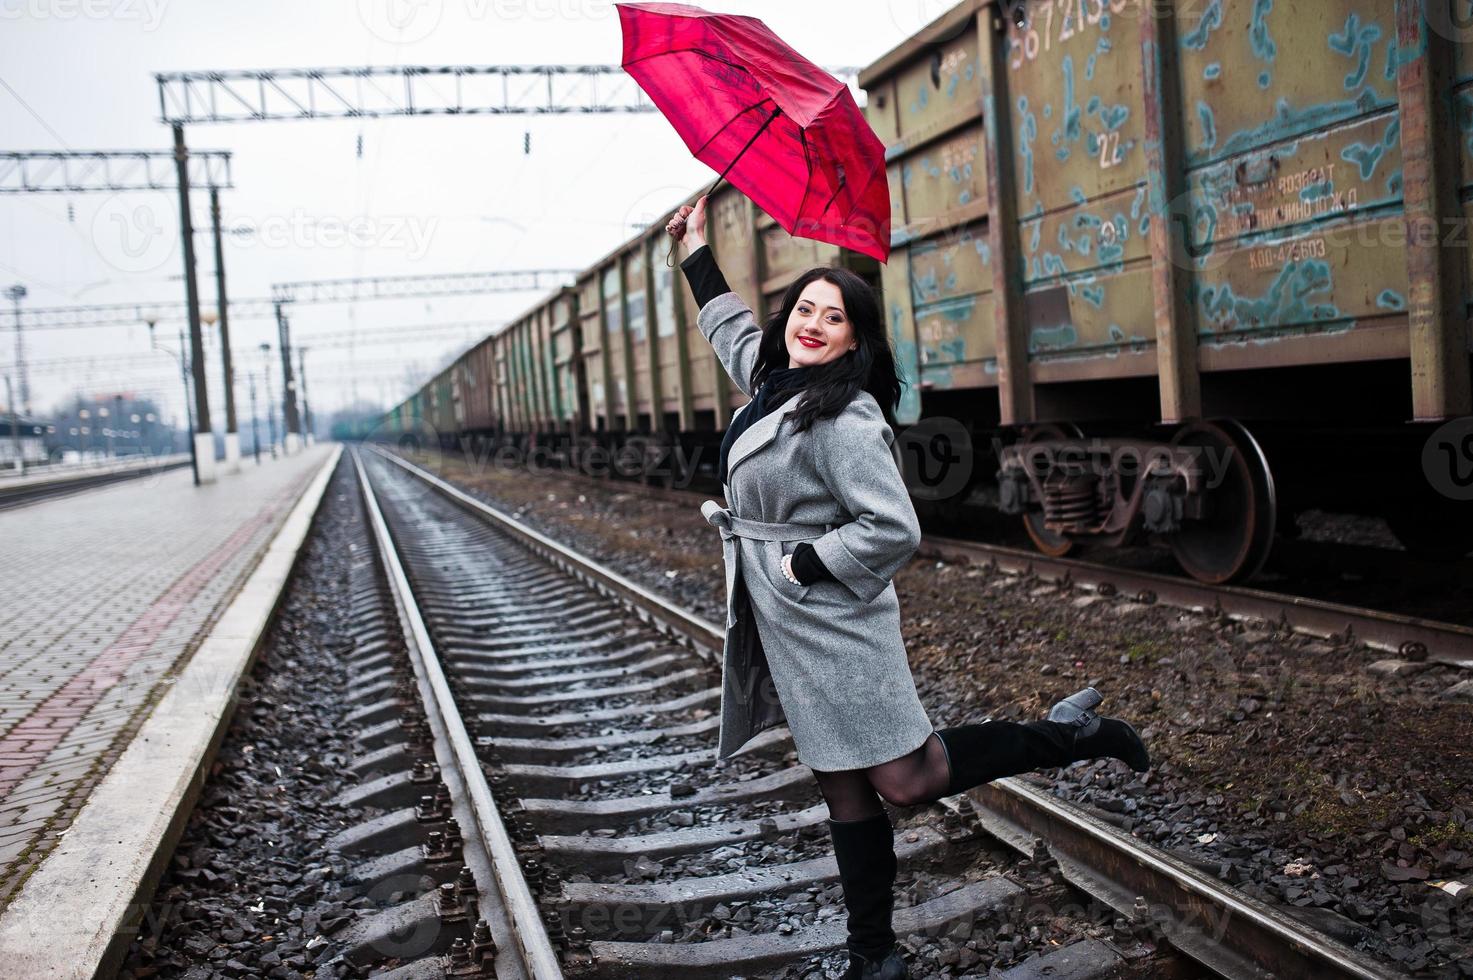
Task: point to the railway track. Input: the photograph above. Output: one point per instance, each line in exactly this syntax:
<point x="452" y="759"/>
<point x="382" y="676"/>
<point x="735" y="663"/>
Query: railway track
<point x="1414" y="638"/>
<point x="1408" y="637"/>
<point x="578" y="712"/>
<point x="21" y="493"/>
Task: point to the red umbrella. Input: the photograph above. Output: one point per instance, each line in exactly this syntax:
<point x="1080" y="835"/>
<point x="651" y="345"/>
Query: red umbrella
<point x="782" y="130"/>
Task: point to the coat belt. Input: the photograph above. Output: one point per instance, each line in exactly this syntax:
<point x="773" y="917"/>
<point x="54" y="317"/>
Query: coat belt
<point x="732" y="527"/>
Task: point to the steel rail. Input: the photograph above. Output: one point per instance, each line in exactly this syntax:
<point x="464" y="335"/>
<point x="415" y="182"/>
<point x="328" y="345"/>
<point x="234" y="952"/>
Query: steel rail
<point x="539" y="958"/>
<point x="1409" y="636"/>
<point x="686" y="628"/>
<point x="1406" y="636"/>
<point x="1225" y="930"/>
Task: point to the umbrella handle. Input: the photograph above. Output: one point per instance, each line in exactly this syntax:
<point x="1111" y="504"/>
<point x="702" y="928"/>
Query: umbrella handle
<point x="671" y="254"/>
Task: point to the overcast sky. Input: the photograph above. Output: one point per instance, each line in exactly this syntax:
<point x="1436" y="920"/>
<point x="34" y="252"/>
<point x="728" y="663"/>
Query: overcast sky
<point x="428" y="195"/>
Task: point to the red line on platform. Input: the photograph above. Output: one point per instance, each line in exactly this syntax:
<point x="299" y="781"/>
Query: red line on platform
<point x="35" y="736"/>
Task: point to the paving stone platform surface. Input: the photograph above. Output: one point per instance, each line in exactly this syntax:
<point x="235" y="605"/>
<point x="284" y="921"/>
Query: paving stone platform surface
<point x="102" y="596"/>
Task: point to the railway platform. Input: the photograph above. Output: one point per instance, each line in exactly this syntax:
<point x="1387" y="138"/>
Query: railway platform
<point x="110" y="600"/>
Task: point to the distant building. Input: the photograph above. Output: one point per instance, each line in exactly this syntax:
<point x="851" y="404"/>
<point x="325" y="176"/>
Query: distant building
<point x="32" y="434"/>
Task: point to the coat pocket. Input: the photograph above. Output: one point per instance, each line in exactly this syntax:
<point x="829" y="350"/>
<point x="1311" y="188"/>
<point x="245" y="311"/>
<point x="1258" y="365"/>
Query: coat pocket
<point x="775" y="550"/>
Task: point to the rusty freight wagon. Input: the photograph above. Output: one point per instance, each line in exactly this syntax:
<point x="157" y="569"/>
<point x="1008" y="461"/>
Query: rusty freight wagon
<point x="617" y="362"/>
<point x="532" y="396"/>
<point x="445" y="407"/>
<point x="1171" y="277"/>
<point x="477" y="391"/>
<point x="1162" y="249"/>
<point x="655" y="396"/>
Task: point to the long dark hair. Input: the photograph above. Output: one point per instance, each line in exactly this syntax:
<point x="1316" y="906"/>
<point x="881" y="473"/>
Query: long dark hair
<point x="829" y="387"/>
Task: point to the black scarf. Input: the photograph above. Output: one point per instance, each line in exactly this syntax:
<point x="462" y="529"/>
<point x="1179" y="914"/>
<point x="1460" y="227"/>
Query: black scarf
<point x="779" y="385"/>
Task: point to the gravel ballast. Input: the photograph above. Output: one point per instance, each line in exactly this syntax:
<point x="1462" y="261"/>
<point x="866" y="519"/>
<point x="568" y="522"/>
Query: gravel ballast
<point x="1305" y="772"/>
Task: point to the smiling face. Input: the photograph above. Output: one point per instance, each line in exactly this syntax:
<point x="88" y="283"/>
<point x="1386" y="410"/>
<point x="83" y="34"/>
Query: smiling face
<point x="819" y="329"/>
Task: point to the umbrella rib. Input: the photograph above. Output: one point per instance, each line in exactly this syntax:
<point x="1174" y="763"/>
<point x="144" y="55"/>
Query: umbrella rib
<point x="775" y="113"/>
<point x="802" y="136"/>
<point x="842" y="179"/>
<point x="765" y="98"/>
<point x="719" y="61"/>
<point x="808" y="161"/>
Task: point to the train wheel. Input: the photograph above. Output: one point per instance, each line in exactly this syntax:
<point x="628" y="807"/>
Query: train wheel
<point x="1232" y="542"/>
<point x="1051" y="543"/>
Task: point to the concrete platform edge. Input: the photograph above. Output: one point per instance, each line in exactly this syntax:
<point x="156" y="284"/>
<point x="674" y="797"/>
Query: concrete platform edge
<point x="79" y="910"/>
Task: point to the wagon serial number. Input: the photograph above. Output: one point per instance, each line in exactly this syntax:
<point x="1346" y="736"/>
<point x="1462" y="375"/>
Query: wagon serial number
<point x="1273" y="257"/>
<point x="1056" y="21"/>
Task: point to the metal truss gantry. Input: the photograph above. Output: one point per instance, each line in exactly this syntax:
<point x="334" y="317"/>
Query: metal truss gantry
<point x="318" y="291"/>
<point x="194" y="97"/>
<point x="122" y="171"/>
<point x="92" y="171"/>
<point x="408" y="90"/>
<point x="122" y="314"/>
<point x="400" y="287"/>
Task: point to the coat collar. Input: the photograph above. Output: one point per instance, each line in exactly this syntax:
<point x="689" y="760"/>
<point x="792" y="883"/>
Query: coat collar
<point x="759" y="433"/>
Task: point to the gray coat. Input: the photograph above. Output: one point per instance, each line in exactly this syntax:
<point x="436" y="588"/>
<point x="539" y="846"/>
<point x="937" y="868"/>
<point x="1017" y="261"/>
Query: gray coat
<point x="833" y="648"/>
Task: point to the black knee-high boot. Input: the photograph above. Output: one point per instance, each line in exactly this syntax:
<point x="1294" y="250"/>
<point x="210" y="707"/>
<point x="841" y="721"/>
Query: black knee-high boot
<point x="980" y="753"/>
<point x="865" y="852"/>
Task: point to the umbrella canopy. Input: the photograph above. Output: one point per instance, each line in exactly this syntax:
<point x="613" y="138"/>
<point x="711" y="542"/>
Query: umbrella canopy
<point x="782" y="130"/>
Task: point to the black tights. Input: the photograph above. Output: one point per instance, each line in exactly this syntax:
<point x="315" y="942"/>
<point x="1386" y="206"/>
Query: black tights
<point x="967" y="756"/>
<point x="921" y="776"/>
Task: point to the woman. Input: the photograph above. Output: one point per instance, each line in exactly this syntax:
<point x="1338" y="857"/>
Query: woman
<point x="819" y="521"/>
